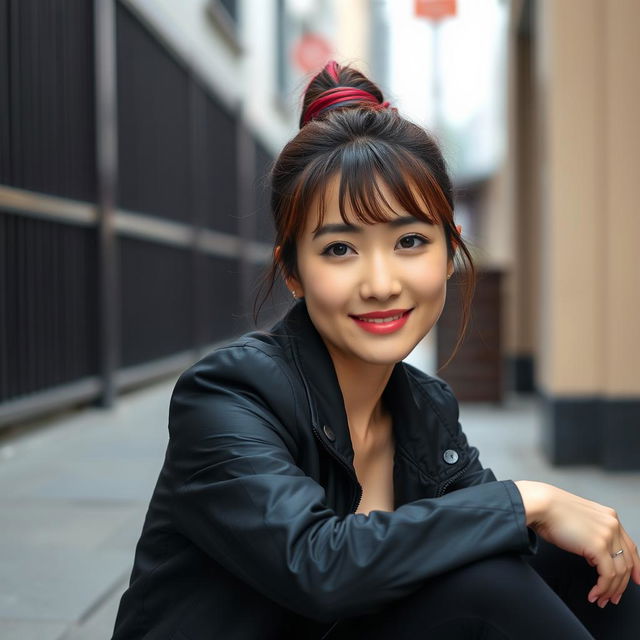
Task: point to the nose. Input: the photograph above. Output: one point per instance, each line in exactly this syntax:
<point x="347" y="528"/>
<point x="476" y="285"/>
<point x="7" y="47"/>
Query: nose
<point x="379" y="279"/>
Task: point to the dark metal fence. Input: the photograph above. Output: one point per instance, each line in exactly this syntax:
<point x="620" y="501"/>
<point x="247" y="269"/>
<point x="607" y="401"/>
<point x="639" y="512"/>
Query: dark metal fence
<point x="112" y="274"/>
<point x="46" y="66"/>
<point x="153" y="124"/>
<point x="47" y="297"/>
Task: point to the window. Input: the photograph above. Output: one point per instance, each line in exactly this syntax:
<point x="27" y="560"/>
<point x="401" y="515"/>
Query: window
<point x="224" y="15"/>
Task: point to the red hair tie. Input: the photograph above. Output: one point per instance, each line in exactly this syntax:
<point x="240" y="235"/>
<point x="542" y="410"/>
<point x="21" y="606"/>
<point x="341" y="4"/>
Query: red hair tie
<point x="339" y="94"/>
<point x="332" y="69"/>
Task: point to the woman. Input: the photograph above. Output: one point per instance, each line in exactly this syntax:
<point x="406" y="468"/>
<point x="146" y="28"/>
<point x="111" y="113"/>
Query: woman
<point x="315" y="486"/>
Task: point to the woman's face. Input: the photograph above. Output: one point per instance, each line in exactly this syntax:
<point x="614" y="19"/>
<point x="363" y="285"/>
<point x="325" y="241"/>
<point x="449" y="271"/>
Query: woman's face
<point x="396" y="269"/>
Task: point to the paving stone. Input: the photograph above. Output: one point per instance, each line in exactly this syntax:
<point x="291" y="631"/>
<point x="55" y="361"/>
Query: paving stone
<point x="125" y="537"/>
<point x="51" y="525"/>
<point x="95" y="480"/>
<point x="100" y="624"/>
<point x="31" y="630"/>
<point x="39" y="584"/>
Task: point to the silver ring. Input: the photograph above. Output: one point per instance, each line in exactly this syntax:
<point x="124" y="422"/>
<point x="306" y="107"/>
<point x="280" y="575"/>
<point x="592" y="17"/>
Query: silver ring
<point x="617" y="553"/>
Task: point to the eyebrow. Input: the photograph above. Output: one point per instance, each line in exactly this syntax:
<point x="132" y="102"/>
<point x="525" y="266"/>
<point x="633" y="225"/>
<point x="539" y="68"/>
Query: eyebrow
<point x="350" y="228"/>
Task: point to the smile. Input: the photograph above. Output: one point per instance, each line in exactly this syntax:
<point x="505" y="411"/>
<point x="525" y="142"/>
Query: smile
<point x="384" y="324"/>
<point x="380" y="320"/>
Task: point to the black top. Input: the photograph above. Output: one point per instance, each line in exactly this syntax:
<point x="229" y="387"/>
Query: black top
<point x="251" y="530"/>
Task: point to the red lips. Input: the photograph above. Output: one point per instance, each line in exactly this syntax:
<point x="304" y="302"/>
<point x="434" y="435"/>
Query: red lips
<point x="380" y="314"/>
<point x="380" y="328"/>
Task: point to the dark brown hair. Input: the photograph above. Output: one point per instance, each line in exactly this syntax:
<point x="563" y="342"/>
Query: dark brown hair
<point x="364" y="142"/>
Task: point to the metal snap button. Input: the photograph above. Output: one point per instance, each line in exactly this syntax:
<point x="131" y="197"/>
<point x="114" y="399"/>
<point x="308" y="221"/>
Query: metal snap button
<point x="328" y="431"/>
<point x="450" y="456"/>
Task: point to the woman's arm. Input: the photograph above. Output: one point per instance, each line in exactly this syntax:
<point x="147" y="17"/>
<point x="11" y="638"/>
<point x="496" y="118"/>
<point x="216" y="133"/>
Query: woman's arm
<point x="234" y="490"/>
<point x="568" y="521"/>
<point x="586" y="528"/>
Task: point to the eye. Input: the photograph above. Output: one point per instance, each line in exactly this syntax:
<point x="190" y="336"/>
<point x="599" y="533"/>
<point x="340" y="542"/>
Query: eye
<point x="413" y="241"/>
<point x="337" y="250"/>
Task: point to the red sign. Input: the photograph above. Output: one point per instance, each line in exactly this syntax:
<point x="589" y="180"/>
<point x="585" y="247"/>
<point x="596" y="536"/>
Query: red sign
<point x="311" y="52"/>
<point x="434" y="9"/>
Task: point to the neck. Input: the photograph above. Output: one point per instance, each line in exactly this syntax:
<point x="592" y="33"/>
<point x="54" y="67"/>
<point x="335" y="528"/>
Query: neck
<point x="362" y="385"/>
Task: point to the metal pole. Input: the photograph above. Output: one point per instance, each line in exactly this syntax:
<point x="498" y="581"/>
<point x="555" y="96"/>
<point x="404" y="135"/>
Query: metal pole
<point x="246" y="185"/>
<point x="106" y="188"/>
<point x="437" y="85"/>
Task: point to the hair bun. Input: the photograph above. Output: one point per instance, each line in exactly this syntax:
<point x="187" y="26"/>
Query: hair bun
<point x="337" y="86"/>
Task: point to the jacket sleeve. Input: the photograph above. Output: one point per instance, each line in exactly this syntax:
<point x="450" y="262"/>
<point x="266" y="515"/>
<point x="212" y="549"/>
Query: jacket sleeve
<point x="237" y="493"/>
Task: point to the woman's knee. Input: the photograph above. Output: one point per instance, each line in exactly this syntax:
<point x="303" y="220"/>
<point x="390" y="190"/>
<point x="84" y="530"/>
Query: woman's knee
<point x="484" y="589"/>
<point x="487" y="585"/>
<point x="501" y="593"/>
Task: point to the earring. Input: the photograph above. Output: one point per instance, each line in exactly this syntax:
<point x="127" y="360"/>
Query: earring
<point x="449" y="275"/>
<point x="293" y="293"/>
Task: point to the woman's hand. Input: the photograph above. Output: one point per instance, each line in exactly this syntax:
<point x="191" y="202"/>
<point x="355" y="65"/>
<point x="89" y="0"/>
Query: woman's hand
<point x="586" y="528"/>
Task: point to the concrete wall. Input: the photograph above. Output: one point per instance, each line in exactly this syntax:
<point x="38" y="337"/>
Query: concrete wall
<point x="574" y="167"/>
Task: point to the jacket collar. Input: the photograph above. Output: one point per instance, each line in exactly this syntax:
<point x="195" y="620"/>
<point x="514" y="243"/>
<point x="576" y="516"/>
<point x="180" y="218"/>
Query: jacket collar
<point x="418" y="428"/>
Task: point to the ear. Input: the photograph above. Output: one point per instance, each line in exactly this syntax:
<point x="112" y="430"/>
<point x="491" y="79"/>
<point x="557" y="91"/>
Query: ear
<point x="295" y="286"/>
<point x="450" y="265"/>
<point x="450" y="268"/>
<point x="290" y="281"/>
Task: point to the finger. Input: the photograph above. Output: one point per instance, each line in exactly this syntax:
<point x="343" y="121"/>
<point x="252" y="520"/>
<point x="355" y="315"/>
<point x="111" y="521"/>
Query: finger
<point x="630" y="553"/>
<point x="623" y="567"/>
<point x="606" y="574"/>
<point x="608" y="581"/>
<point x="634" y="556"/>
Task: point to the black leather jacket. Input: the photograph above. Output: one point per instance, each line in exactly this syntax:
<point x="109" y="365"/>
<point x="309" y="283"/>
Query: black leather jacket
<point x="251" y="531"/>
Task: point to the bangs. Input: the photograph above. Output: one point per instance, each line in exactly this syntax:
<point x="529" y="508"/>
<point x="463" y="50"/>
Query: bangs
<point x="362" y="165"/>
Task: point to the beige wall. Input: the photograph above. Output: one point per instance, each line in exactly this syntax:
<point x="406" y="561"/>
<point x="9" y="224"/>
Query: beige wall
<point x="576" y="294"/>
<point x="574" y="255"/>
<point x="622" y="197"/>
<point x="517" y="201"/>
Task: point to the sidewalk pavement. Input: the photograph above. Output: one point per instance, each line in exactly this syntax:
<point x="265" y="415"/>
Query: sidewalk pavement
<point x="75" y="491"/>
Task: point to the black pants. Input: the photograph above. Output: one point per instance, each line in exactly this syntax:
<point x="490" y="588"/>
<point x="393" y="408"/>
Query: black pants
<point x="543" y="596"/>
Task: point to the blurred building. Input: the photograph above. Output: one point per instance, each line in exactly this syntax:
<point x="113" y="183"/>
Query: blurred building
<point x="568" y="196"/>
<point x="548" y="206"/>
<point x="448" y="74"/>
<point x="135" y="138"/>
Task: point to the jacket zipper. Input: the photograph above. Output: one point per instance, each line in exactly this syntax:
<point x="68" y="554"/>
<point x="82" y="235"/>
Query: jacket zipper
<point x="453" y="478"/>
<point x="353" y="508"/>
<point x="359" y="499"/>
<point x="324" y="444"/>
<point x="344" y="464"/>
